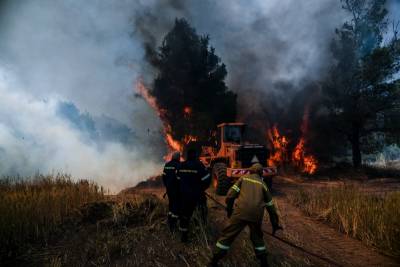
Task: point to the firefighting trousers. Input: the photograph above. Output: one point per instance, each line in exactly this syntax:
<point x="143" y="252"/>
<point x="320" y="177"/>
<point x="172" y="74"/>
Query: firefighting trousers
<point x="233" y="230"/>
<point x="188" y="205"/>
<point x="173" y="203"/>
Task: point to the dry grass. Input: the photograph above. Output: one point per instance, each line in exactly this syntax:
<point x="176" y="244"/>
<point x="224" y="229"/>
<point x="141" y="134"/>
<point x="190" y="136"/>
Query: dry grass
<point x="32" y="209"/>
<point x="374" y="219"/>
<point x="53" y="221"/>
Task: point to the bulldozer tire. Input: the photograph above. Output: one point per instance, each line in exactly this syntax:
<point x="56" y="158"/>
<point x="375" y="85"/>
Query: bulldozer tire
<point x="221" y="181"/>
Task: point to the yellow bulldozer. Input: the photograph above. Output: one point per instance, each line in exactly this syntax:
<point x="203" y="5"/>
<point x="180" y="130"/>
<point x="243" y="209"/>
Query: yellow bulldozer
<point x="232" y="156"/>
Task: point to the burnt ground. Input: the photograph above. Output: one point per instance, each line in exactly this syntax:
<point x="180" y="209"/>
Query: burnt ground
<point x="114" y="233"/>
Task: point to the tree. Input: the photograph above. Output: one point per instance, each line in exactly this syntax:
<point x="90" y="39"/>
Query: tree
<point x="362" y="91"/>
<point x="190" y="86"/>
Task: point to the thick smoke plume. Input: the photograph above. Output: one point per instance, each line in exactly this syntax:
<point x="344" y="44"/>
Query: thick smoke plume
<point x="34" y="137"/>
<point x="90" y="54"/>
<point x="275" y="51"/>
<point x="272" y="49"/>
<point x="82" y="53"/>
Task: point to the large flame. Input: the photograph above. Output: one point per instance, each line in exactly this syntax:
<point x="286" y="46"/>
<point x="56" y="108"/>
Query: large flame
<point x="299" y="158"/>
<point x="279" y="143"/>
<point x="279" y="156"/>
<point x="172" y="144"/>
<point x="306" y="163"/>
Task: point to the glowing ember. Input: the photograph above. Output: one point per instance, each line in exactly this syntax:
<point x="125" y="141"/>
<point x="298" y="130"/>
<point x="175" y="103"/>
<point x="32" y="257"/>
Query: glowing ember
<point x="187" y="111"/>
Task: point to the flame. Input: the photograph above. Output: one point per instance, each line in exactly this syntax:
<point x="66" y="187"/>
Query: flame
<point x="310" y="164"/>
<point x="307" y="163"/>
<point x="187" y="111"/>
<point x="172" y="144"/>
<point x="279" y="143"/>
<point x="151" y="100"/>
<point x="298" y="152"/>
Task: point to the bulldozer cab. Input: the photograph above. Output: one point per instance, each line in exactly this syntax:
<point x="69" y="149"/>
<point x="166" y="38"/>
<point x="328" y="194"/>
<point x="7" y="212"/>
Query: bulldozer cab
<point x="231" y="133"/>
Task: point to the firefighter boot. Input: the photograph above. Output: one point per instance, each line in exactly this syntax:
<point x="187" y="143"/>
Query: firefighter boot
<point x="263" y="260"/>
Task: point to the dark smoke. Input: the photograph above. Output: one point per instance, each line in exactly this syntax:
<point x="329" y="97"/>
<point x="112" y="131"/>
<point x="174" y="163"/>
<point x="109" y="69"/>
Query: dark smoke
<point x="272" y="49"/>
<point x="190" y="85"/>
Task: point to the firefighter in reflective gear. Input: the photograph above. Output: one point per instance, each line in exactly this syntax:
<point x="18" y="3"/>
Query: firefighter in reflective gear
<point x="194" y="179"/>
<point x="246" y="201"/>
<point x="172" y="185"/>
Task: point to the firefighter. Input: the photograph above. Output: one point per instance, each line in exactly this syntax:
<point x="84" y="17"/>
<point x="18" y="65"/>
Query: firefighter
<point x="172" y="186"/>
<point x="193" y="179"/>
<point x="252" y="196"/>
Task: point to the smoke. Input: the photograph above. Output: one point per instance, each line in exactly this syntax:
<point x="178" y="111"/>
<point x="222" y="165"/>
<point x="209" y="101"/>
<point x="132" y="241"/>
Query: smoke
<point x="34" y="137"/>
<point x="90" y="53"/>
<point x="271" y="48"/>
<point x="82" y="53"/>
<point x="275" y="51"/>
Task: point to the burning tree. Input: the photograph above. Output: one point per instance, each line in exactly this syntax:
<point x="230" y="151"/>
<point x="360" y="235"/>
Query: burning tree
<point x="362" y="93"/>
<point x="189" y="91"/>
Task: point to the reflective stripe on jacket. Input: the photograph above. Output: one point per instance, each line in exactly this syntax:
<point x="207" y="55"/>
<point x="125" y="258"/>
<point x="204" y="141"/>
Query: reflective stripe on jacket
<point x="250" y="196"/>
<point x="193" y="178"/>
<point x="169" y="175"/>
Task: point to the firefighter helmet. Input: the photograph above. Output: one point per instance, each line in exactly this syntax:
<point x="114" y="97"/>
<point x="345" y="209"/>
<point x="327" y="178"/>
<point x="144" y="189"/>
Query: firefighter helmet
<point x="256" y="168"/>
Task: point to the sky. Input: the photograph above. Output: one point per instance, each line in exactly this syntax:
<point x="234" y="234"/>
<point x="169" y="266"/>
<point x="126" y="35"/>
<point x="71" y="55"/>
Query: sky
<point x="87" y="55"/>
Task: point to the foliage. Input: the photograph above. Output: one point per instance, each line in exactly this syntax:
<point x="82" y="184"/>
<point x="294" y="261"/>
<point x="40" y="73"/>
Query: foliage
<point x="361" y="90"/>
<point x="190" y="85"/>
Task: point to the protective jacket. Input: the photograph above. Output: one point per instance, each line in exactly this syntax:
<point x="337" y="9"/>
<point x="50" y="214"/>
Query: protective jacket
<point x="171" y="183"/>
<point x="248" y="198"/>
<point x="193" y="179"/>
<point x="169" y="174"/>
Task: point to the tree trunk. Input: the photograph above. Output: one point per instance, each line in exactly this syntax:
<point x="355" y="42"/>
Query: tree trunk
<point x="355" y="146"/>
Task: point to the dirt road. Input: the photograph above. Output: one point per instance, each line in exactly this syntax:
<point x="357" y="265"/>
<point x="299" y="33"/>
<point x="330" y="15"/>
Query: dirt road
<point x="324" y="245"/>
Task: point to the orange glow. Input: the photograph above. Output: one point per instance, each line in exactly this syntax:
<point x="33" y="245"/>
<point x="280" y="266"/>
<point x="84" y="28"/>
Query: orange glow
<point x="310" y="164"/>
<point x="307" y="163"/>
<point x="151" y="100"/>
<point x="187" y="111"/>
<point x="173" y="145"/>
<point x="279" y="143"/>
